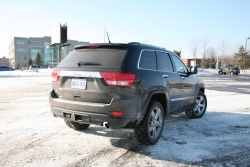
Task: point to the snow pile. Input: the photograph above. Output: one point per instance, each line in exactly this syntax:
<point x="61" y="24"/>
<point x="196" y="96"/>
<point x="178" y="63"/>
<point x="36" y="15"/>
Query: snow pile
<point x="207" y="71"/>
<point x="26" y="73"/>
<point x="215" y="72"/>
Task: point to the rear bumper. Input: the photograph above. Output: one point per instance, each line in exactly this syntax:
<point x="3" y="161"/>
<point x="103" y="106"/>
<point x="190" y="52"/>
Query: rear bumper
<point x="97" y="113"/>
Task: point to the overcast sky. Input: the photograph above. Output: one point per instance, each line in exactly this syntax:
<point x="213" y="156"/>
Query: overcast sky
<point x="169" y="24"/>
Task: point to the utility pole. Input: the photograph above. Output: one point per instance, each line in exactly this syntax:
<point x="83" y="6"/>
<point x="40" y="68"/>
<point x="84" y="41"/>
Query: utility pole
<point x="245" y="54"/>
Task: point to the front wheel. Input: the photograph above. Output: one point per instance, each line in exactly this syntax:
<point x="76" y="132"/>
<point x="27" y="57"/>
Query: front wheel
<point x="150" y="128"/>
<point x="200" y="107"/>
<point x="76" y="125"/>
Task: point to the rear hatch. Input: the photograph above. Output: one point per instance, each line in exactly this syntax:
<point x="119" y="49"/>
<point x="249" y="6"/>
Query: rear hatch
<point x="89" y="73"/>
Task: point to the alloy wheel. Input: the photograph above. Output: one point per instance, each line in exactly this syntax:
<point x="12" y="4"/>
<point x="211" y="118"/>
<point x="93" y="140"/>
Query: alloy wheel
<point x="155" y="123"/>
<point x="200" y="105"/>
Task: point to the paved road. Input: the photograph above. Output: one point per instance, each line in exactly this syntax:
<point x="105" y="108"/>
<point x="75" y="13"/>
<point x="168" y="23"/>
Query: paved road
<point x="228" y="83"/>
<point x="31" y="136"/>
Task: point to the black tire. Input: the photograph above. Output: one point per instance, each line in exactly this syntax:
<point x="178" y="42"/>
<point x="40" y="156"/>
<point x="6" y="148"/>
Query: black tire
<point x="149" y="130"/>
<point x="76" y="125"/>
<point x="200" y="107"/>
<point x="220" y="72"/>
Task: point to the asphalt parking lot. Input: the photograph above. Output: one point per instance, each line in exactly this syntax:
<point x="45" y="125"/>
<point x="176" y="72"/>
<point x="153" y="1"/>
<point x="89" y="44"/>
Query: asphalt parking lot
<point x="31" y="136"/>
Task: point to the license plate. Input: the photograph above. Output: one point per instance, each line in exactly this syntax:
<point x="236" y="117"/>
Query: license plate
<point x="78" y="83"/>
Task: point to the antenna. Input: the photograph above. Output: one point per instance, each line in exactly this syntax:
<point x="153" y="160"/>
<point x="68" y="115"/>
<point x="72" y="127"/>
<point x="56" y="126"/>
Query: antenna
<point x="108" y="36"/>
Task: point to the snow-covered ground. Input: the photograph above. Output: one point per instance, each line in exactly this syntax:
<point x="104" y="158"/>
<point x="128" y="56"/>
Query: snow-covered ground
<point x="31" y="136"/>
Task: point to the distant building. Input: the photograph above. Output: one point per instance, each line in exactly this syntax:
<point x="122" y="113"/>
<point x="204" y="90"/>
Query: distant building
<point x="190" y="62"/>
<point x="22" y="49"/>
<point x="4" y="61"/>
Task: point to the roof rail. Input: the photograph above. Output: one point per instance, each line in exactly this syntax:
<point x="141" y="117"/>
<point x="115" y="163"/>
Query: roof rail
<point x="135" y="43"/>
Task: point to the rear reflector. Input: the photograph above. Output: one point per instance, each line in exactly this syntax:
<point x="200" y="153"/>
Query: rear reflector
<point x="118" y="79"/>
<point x="117" y="113"/>
<point x="55" y="76"/>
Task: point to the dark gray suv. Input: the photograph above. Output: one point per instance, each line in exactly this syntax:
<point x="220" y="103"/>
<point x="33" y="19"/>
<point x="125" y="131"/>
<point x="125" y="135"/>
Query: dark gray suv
<point x="125" y="86"/>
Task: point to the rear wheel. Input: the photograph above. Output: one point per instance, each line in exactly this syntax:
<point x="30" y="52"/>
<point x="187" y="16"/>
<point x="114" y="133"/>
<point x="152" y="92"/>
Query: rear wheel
<point x="200" y="107"/>
<point x="150" y="128"/>
<point x="76" y="125"/>
<point x="220" y="72"/>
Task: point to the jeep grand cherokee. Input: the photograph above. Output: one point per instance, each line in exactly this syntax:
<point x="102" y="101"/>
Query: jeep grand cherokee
<point x="125" y="86"/>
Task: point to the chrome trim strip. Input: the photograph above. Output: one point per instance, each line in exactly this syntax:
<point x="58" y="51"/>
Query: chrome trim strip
<point x="183" y="98"/>
<point x="87" y="74"/>
<point x="80" y="103"/>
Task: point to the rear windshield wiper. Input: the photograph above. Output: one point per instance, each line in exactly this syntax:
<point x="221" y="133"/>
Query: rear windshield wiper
<point x="87" y="64"/>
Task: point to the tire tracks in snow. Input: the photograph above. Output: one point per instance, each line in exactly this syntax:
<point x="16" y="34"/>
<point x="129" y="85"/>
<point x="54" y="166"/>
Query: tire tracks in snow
<point x="23" y="146"/>
<point x="120" y="152"/>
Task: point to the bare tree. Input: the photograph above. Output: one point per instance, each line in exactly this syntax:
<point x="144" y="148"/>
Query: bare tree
<point x="211" y="57"/>
<point x="194" y="47"/>
<point x="204" y="46"/>
<point x="223" y="53"/>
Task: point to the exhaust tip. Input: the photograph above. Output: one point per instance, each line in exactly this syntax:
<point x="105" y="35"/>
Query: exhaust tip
<point x="106" y="124"/>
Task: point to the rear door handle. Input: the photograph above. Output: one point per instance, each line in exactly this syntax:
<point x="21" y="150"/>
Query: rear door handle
<point x="164" y="76"/>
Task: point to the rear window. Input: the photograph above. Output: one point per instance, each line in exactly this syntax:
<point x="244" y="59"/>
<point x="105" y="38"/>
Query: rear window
<point x="103" y="58"/>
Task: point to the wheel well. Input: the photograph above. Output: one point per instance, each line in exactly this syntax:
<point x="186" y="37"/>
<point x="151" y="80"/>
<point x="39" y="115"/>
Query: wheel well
<point x="202" y="90"/>
<point x="161" y="98"/>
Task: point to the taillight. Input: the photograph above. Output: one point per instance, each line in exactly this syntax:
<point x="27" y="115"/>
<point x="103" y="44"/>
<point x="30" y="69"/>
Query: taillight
<point x="118" y="79"/>
<point x="55" y="76"/>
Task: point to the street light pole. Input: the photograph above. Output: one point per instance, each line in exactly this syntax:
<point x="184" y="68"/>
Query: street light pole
<point x="52" y="57"/>
<point x="245" y="53"/>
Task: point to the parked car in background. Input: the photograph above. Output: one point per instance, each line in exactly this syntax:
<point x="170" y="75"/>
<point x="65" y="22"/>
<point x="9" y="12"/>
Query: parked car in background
<point x="125" y="86"/>
<point x="229" y="70"/>
<point x="5" y="68"/>
<point x="34" y="67"/>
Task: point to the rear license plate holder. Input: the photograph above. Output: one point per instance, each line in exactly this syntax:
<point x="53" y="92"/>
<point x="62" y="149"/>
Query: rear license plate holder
<point x="79" y="83"/>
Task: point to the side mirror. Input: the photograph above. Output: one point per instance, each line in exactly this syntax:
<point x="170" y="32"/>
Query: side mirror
<point x="193" y="70"/>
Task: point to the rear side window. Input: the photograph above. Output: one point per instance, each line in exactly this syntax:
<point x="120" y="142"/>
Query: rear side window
<point x="148" y="60"/>
<point x="164" y="62"/>
<point x="102" y="58"/>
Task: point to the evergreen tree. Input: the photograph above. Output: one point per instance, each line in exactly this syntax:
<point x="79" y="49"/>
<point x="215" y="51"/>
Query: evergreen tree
<point x="239" y="58"/>
<point x="177" y="53"/>
<point x="38" y="60"/>
<point x="30" y="62"/>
